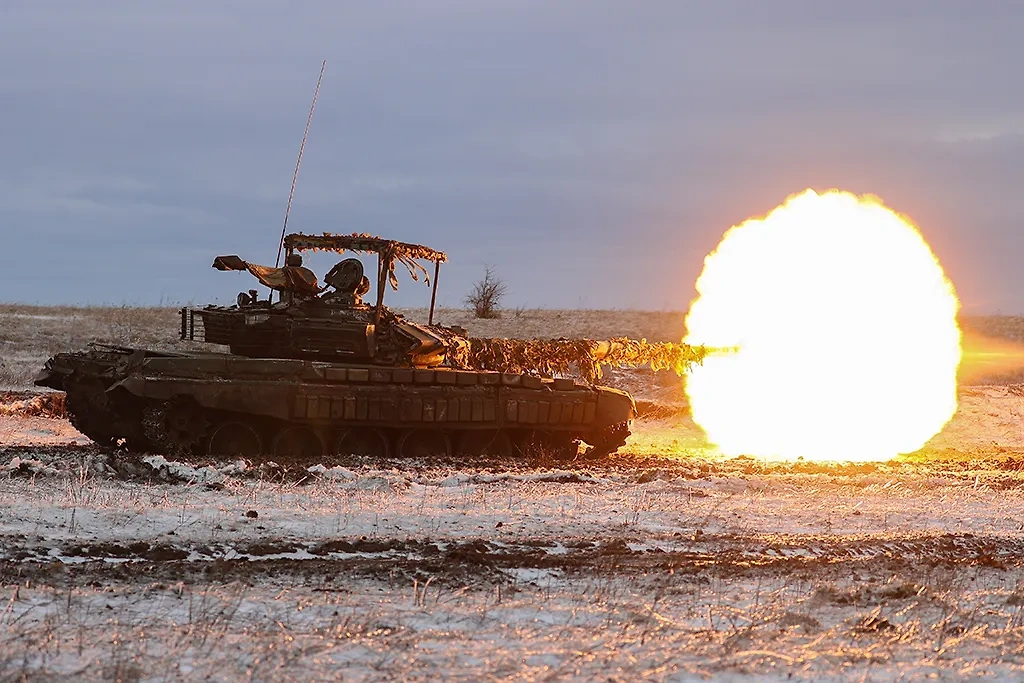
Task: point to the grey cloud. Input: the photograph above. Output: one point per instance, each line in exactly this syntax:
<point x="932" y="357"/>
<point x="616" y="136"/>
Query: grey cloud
<point x="627" y="135"/>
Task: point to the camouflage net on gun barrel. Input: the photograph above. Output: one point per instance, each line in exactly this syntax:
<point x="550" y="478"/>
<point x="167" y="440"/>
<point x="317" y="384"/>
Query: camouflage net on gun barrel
<point x="560" y="356"/>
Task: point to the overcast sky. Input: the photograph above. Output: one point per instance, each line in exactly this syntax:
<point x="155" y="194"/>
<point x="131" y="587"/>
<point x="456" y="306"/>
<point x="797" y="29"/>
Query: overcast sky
<point x="593" y="152"/>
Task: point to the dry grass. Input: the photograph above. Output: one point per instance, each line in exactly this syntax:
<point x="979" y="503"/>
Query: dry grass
<point x="597" y="628"/>
<point x="31" y="334"/>
<point x="553" y="323"/>
<point x="996" y="326"/>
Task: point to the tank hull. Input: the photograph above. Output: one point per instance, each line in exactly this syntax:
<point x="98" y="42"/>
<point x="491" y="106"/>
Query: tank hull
<point x="205" y="403"/>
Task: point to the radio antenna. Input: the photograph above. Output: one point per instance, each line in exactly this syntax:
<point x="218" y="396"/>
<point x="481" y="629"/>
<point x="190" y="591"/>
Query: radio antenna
<point x="295" y="176"/>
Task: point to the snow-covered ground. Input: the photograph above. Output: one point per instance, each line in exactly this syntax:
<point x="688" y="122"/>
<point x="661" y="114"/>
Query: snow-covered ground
<point x="667" y="562"/>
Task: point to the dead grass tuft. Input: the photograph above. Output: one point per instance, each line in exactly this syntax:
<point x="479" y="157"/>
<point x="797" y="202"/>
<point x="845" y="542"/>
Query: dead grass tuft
<point x="43" y="405"/>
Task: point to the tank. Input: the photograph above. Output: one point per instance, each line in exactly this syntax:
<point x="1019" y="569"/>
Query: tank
<point x="319" y="372"/>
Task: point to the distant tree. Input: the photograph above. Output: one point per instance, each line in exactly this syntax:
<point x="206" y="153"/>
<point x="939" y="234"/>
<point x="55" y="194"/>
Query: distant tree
<point x="486" y="295"/>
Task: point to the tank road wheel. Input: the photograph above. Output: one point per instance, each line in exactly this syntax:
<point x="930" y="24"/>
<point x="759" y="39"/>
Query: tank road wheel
<point x="485" y="442"/>
<point x="424" y="443"/>
<point x="297" y="443"/>
<point x="366" y="442"/>
<point x="175" y="427"/>
<point x="235" y="438"/>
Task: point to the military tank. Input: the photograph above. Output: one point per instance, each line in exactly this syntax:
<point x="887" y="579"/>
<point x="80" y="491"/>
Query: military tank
<point x="319" y="372"/>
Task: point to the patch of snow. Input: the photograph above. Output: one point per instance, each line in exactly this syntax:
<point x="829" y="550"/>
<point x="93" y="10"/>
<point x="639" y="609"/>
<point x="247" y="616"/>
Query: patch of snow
<point x="188" y="473"/>
<point x="336" y="473"/>
<point x="532" y="575"/>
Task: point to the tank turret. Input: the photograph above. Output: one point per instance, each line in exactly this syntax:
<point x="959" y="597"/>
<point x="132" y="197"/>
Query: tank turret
<point x="316" y="324"/>
<point x="329" y="323"/>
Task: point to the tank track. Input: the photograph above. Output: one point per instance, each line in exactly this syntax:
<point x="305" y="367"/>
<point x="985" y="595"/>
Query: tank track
<point x="155" y="433"/>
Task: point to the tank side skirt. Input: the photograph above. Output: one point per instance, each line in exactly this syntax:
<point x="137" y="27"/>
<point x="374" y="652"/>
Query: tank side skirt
<point x="383" y="404"/>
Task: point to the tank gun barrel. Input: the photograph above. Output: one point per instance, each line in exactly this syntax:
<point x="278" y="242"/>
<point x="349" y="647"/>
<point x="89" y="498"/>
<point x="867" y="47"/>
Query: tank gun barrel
<point x="609" y="348"/>
<point x="560" y="356"/>
<point x="640" y="352"/>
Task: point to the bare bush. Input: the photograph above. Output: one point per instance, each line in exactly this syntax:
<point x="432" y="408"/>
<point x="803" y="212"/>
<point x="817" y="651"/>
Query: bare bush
<point x="486" y="295"/>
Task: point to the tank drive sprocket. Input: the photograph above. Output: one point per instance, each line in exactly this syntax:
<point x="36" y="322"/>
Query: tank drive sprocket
<point x="608" y="441"/>
<point x="86" y="408"/>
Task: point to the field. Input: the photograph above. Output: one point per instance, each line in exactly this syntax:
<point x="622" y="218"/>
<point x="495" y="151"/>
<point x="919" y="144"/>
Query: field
<point x="665" y="561"/>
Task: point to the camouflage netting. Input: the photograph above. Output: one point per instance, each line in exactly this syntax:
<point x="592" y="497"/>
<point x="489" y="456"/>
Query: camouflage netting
<point x="362" y="242"/>
<point x="584" y="356"/>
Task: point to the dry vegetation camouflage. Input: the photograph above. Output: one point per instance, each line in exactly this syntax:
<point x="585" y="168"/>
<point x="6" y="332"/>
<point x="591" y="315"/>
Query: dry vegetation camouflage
<point x="585" y="356"/>
<point x="390" y="251"/>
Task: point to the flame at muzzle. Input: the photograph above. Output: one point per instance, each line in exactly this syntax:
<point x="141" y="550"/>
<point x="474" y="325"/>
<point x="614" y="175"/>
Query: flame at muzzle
<point x="848" y="343"/>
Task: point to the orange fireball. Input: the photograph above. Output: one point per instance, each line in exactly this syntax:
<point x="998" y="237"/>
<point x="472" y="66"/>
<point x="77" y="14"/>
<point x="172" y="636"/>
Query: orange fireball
<point x="845" y="334"/>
